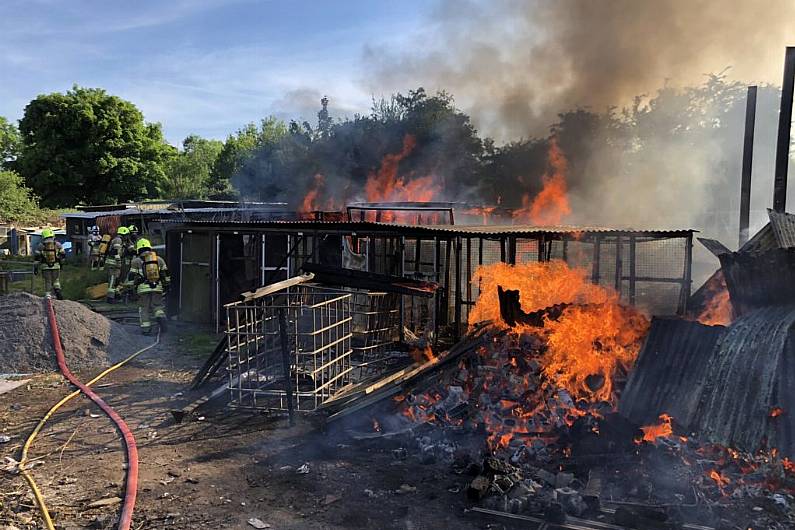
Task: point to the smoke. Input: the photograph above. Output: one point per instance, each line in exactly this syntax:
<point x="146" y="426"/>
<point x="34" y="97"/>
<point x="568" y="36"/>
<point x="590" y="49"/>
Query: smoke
<point x="513" y="65"/>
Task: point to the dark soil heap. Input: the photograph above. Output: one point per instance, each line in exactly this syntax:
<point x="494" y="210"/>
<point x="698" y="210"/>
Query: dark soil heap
<point x="90" y="340"/>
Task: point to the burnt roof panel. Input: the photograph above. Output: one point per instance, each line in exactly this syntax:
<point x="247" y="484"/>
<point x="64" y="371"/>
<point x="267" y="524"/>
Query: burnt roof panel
<point x="670" y="371"/>
<point x="783" y="225"/>
<point x="433" y="230"/>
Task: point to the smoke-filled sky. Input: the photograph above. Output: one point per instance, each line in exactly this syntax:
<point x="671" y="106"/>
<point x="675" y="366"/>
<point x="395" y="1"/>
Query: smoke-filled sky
<point x="208" y="67"/>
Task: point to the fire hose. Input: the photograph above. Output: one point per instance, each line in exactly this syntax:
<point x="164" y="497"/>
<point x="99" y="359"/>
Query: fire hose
<point x="131" y="482"/>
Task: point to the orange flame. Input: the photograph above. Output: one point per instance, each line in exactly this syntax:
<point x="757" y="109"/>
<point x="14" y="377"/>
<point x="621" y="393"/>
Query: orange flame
<point x="775" y="412"/>
<point x="718" y="310"/>
<point x="661" y="430"/>
<point x="588" y="343"/>
<point x="423" y="355"/>
<point x="720" y="479"/>
<point x="311" y="201"/>
<point x="551" y="205"/>
<point x="385" y="184"/>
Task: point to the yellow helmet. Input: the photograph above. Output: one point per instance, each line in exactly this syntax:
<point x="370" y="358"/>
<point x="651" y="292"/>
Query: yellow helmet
<point x="142" y="243"/>
<point x="123" y="231"/>
<point x="47" y="232"/>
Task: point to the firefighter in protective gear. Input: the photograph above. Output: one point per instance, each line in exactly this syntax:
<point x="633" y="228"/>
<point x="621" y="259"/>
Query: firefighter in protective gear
<point x="133" y="234"/>
<point x="113" y="263"/>
<point x="149" y="275"/>
<point x="49" y="255"/>
<point x="95" y="244"/>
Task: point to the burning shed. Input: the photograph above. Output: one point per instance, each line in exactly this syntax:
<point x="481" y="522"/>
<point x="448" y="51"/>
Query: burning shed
<point x="213" y="262"/>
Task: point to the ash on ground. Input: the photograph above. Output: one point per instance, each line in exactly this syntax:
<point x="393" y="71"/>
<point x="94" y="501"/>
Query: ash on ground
<point x="524" y="446"/>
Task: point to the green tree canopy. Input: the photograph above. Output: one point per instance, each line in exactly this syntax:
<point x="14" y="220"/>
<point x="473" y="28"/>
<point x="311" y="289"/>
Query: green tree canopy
<point x="239" y="148"/>
<point x="17" y="203"/>
<point x="9" y="141"/>
<point x="188" y="175"/>
<point x="91" y="147"/>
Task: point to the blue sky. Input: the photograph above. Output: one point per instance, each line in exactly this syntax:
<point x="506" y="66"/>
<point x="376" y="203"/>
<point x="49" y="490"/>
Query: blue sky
<point x="203" y="67"/>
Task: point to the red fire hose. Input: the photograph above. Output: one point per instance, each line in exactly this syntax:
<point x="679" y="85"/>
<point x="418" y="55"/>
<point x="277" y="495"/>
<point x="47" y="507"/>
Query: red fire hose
<point x="131" y="484"/>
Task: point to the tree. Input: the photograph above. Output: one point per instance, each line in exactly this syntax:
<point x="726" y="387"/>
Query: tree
<point x="91" y="147"/>
<point x="240" y="148"/>
<point x="188" y="175"/>
<point x="9" y="142"/>
<point x="17" y="203"/>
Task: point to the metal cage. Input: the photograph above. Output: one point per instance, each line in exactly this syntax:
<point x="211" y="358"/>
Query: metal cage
<point x="307" y="326"/>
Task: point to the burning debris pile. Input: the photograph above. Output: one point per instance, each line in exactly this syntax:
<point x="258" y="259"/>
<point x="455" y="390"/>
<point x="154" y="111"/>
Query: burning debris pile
<point x="530" y="416"/>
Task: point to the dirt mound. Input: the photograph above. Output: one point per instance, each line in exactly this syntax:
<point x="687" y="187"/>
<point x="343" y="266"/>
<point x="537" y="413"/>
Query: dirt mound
<point x="90" y="340"/>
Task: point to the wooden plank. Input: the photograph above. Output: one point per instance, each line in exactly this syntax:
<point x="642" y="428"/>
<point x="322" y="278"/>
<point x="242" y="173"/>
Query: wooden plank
<point x="276" y="287"/>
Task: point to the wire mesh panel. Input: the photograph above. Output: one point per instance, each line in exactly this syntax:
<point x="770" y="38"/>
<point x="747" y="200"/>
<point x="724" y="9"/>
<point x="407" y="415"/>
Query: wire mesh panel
<point x="306" y="326"/>
<point x="376" y="318"/>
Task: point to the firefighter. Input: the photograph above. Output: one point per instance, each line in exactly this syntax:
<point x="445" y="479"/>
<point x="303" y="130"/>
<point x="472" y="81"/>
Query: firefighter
<point x="133" y="234"/>
<point x="113" y="263"/>
<point x="149" y="275"/>
<point x="95" y="245"/>
<point x="49" y="255"/>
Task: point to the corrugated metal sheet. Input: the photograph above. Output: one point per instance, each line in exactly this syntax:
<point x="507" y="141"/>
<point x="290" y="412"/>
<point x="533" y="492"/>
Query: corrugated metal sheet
<point x="762" y="241"/>
<point x="721" y="383"/>
<point x="670" y="371"/>
<point x="713" y="245"/>
<point x="760" y="279"/>
<point x="783" y="228"/>
<point x="463" y="230"/>
<point x="751" y="371"/>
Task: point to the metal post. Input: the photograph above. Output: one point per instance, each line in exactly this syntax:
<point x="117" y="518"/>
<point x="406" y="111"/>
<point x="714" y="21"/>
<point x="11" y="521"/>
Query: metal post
<point x="687" y="276"/>
<point x="288" y="380"/>
<point x="784" y="125"/>
<point x="632" y="276"/>
<point x="458" y="271"/>
<point x="597" y="251"/>
<point x="748" y="155"/>
<point x="512" y="250"/>
<point x="618" y="265"/>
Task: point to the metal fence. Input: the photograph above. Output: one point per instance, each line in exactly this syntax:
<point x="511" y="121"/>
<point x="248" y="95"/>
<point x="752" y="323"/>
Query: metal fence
<point x="289" y="348"/>
<point x="16" y="276"/>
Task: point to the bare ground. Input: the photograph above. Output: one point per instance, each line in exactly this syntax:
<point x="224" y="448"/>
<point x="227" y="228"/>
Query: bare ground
<point x="218" y="472"/>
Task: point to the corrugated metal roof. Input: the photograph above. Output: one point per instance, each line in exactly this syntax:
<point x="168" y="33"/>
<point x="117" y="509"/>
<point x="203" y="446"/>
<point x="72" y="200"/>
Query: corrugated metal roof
<point x="474" y="230"/>
<point x="760" y="279"/>
<point x="721" y="383"/>
<point x="174" y="212"/>
<point x="670" y="371"/>
<point x="783" y="228"/>
<point x="750" y="372"/>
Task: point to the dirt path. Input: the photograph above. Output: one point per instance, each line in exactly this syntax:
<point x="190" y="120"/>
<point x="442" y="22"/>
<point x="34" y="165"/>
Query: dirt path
<point x="214" y="473"/>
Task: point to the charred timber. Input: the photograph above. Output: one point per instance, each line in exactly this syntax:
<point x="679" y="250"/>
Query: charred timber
<point x="371" y="281"/>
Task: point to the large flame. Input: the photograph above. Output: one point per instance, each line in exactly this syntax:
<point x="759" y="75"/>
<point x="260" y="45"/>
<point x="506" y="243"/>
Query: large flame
<point x="589" y="343"/>
<point x="718" y="309"/>
<point x="386" y="185"/>
<point x="551" y="205"/>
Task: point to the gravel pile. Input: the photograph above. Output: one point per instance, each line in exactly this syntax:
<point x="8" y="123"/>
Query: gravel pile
<point x="90" y="340"/>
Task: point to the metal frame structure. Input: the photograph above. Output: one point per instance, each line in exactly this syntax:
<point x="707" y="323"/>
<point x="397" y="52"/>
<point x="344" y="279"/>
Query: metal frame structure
<point x="290" y="348"/>
<point x="648" y="268"/>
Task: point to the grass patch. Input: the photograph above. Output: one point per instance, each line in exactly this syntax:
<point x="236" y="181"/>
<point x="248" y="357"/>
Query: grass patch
<point x="75" y="279"/>
<point x="199" y="344"/>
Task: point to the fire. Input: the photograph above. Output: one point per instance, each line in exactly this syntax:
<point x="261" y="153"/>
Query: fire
<point x="588" y="343"/>
<point x="376" y="425"/>
<point x="311" y="201"/>
<point x="385" y="185"/>
<point x="661" y="430"/>
<point x="718" y="309"/>
<point x="423" y="355"/>
<point x="720" y="479"/>
<point x="775" y="412"/>
<point x="551" y="205"/>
